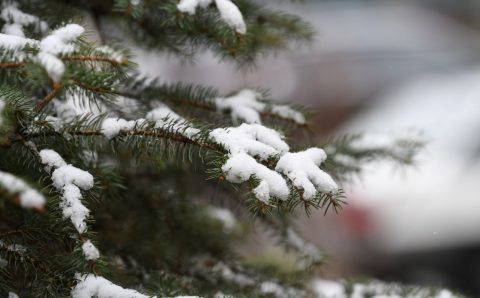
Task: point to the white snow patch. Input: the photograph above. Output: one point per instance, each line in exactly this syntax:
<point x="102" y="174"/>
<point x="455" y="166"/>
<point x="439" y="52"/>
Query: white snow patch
<point x="241" y="167"/>
<point x="51" y="159"/>
<point x="302" y="168"/>
<point x="333" y="289"/>
<point x="272" y="288"/>
<point x="13" y="29"/>
<point x="111" y="53"/>
<point x="328" y="289"/>
<point x="69" y="179"/>
<point x="227" y="274"/>
<point x="190" y="6"/>
<point x="58" y="42"/>
<point x="68" y="174"/>
<point x="52" y="65"/>
<point x="165" y="118"/>
<point x="254" y="139"/>
<point x="16" y="19"/>
<point x="73" y="208"/>
<point x="287" y="112"/>
<point x="111" y="127"/>
<point x="229" y="12"/>
<point x="244" y="142"/>
<point x="12" y="42"/>
<point x="76" y="104"/>
<point x="445" y="294"/>
<point x="29" y="197"/>
<point x="96" y="286"/>
<point x="243" y="106"/>
<point x="55" y="122"/>
<point x="90" y="251"/>
<point x="14" y="247"/>
<point x="225" y="216"/>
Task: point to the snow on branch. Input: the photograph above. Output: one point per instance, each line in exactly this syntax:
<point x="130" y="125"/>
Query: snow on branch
<point x="90" y="251"/>
<point x="229" y="12"/>
<point x="303" y="169"/>
<point x="60" y="41"/>
<point x="223" y="215"/>
<point x="15" y="20"/>
<point x="112" y="54"/>
<point x="15" y="43"/>
<point x="254" y="139"/>
<point x="241" y="167"/>
<point x="243" y="106"/>
<point x="247" y="141"/>
<point x="51" y="51"/>
<point x="246" y="106"/>
<point x="332" y="289"/>
<point x="29" y="197"/>
<point x="163" y="117"/>
<point x="274" y="289"/>
<point x="286" y="112"/>
<point x="111" y="127"/>
<point x="90" y="285"/>
<point x="69" y="179"/>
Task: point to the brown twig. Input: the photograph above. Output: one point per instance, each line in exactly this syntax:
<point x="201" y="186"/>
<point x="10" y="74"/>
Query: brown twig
<point x="147" y="133"/>
<point x="42" y="103"/>
<point x="70" y="58"/>
<point x="95" y="58"/>
<point x="12" y="64"/>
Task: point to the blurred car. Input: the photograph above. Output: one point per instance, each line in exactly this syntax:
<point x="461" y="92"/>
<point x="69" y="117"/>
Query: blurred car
<point x="425" y="220"/>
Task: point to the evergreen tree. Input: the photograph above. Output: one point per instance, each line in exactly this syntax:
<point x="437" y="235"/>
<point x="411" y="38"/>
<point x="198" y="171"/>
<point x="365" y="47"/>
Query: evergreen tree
<point x="105" y="175"/>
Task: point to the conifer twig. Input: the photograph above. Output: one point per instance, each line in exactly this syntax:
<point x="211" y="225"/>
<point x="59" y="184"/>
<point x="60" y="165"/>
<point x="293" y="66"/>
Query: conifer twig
<point x="42" y="103"/>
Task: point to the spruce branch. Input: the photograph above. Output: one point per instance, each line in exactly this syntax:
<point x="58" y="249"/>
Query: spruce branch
<point x="12" y="64"/>
<point x="113" y="62"/>
<point x="79" y="58"/>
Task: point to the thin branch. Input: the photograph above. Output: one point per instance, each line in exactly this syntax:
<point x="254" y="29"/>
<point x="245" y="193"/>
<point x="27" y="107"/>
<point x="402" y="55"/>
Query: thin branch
<point x="12" y="64"/>
<point x="95" y="58"/>
<point x="92" y="88"/>
<point x="211" y="108"/>
<point x="70" y="58"/>
<point x="146" y="133"/>
<point x="42" y="103"/>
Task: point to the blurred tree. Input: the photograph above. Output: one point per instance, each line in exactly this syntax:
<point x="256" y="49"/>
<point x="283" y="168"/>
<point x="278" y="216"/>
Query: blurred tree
<point x="101" y="169"/>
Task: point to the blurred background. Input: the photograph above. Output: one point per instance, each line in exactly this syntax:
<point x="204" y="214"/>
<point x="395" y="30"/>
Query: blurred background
<point x="382" y="66"/>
